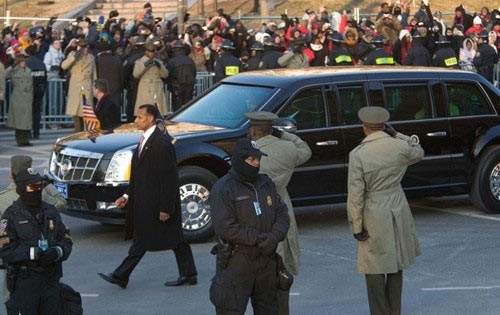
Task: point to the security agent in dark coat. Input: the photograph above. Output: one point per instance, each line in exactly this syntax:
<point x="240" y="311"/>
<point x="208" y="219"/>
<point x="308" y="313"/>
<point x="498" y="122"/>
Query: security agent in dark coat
<point x="270" y="56"/>
<point x="379" y="56"/>
<point x="106" y="109"/>
<point x="154" y="215"/>
<point x="181" y="75"/>
<point x="34" y="242"/>
<point x="485" y="58"/>
<point x="445" y="56"/>
<point x="227" y="64"/>
<point x="418" y="55"/>
<point x="39" y="75"/>
<point x="110" y="68"/>
<point x="131" y="83"/>
<point x="255" y="62"/>
<point x="248" y="213"/>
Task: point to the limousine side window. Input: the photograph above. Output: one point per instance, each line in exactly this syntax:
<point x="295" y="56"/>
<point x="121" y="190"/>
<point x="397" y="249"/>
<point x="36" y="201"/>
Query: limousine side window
<point x="408" y="102"/>
<point x="352" y="99"/>
<point x="308" y="109"/>
<point x="466" y="99"/>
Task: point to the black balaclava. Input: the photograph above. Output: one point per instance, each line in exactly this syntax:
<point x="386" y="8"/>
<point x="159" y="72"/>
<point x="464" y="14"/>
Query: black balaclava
<point x="31" y="200"/>
<point x="246" y="171"/>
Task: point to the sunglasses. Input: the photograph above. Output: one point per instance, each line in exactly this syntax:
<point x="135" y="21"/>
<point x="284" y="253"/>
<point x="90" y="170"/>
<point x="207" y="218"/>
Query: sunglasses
<point x="34" y="187"/>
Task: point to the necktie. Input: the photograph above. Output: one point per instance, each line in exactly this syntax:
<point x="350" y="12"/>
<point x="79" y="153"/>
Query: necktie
<point x="140" y="145"/>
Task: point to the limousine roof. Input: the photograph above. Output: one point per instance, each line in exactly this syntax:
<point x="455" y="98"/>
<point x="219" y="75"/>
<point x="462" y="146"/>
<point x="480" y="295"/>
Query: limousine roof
<point x="286" y="77"/>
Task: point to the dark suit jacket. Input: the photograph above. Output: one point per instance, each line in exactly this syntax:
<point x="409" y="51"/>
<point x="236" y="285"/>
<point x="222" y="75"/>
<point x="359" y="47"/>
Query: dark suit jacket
<point x="154" y="188"/>
<point x="108" y="113"/>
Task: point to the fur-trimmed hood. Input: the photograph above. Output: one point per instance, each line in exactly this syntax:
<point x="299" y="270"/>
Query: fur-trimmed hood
<point x="389" y="28"/>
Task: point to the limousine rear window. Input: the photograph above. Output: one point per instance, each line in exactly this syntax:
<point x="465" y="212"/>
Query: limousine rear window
<point x="225" y="106"/>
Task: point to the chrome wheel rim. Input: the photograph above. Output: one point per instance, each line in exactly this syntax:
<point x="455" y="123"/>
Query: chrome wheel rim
<point x="495" y="182"/>
<point x="195" y="206"/>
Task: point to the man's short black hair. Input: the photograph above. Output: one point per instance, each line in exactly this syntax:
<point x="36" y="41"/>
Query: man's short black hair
<point x="151" y="110"/>
<point x="101" y="85"/>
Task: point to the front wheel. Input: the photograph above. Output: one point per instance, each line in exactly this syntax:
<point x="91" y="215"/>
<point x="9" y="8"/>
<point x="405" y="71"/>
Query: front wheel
<point x="485" y="192"/>
<point x="195" y="184"/>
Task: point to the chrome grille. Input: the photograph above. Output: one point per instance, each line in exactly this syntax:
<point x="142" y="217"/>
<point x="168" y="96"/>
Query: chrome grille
<point x="75" y="165"/>
<point x="78" y="204"/>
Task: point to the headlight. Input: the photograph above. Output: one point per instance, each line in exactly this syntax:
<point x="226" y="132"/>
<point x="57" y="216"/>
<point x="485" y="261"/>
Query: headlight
<point x="119" y="167"/>
<point x="52" y="163"/>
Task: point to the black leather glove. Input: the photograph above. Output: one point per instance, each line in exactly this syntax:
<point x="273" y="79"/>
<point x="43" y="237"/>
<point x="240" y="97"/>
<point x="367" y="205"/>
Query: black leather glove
<point x="55" y="68"/>
<point x="49" y="256"/>
<point x="78" y="53"/>
<point x="363" y="236"/>
<point x="277" y="133"/>
<point x="267" y="243"/>
<point x="389" y="130"/>
<point x="156" y="63"/>
<point x="149" y="63"/>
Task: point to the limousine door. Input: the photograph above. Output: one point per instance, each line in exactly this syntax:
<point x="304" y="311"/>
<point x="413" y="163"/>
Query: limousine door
<point x="322" y="177"/>
<point x="411" y="112"/>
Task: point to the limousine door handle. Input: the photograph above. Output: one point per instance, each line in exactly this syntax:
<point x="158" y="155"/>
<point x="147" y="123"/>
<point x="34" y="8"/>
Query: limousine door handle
<point x="437" y="134"/>
<point x="328" y="142"/>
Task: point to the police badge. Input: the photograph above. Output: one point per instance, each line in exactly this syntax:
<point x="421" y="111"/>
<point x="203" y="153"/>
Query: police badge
<point x="269" y="201"/>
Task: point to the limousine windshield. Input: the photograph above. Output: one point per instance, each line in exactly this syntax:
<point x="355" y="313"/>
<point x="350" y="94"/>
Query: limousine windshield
<point x="225" y="105"/>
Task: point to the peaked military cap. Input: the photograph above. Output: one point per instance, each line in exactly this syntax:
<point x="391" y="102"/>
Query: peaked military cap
<point x="19" y="163"/>
<point x="261" y="118"/>
<point x="373" y="115"/>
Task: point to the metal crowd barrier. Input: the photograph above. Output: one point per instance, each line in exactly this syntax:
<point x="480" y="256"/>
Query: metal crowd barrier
<point x="54" y="100"/>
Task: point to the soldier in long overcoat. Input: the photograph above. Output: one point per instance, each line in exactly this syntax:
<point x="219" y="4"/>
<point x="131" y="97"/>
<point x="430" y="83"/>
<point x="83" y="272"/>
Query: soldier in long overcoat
<point x="20" y="109"/>
<point x="150" y="71"/>
<point x="285" y="151"/>
<point x="81" y="67"/>
<point x="378" y="211"/>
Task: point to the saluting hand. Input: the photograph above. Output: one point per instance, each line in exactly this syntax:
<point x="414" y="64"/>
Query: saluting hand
<point x="164" y="216"/>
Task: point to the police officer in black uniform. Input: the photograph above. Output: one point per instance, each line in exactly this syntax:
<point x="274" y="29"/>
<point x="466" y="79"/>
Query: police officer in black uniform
<point x="418" y="55"/>
<point x="486" y="57"/>
<point x="254" y="62"/>
<point x="39" y="75"/>
<point x="250" y="218"/>
<point x="181" y="75"/>
<point x="227" y="64"/>
<point x="270" y="56"/>
<point x="445" y="56"/>
<point x="339" y="56"/>
<point x="33" y="244"/>
<point x="131" y="83"/>
<point x="379" y="56"/>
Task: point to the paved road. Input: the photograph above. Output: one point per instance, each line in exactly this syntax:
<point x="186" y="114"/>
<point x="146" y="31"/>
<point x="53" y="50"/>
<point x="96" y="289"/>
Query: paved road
<point x="456" y="274"/>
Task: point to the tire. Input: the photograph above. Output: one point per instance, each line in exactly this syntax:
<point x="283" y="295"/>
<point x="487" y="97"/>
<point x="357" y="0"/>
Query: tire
<point x="485" y="192"/>
<point x="195" y="184"/>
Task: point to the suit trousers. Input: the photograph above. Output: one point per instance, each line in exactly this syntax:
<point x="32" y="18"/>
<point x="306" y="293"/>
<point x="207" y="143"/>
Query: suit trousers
<point x="183" y="256"/>
<point x="384" y="293"/>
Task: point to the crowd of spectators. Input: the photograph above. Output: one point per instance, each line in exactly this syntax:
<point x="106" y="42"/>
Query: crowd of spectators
<point x="318" y="38"/>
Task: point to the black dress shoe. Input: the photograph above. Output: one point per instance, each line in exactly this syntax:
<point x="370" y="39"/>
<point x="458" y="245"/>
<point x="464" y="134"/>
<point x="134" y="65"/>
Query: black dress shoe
<point x="112" y="279"/>
<point x="191" y="280"/>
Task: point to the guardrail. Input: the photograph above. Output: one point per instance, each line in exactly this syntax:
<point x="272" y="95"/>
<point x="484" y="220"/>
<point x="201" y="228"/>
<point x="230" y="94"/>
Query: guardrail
<point x="54" y="100"/>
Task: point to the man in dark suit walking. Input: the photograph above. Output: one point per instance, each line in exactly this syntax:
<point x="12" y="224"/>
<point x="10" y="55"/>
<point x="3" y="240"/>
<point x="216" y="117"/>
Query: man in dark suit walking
<point x="106" y="109"/>
<point x="154" y="211"/>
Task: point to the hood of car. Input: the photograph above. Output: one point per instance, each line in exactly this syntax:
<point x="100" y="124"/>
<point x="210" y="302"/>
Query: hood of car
<point x="103" y="141"/>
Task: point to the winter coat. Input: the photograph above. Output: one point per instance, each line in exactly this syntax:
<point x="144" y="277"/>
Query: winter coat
<point x="283" y="155"/>
<point x="377" y="203"/>
<point x="293" y="60"/>
<point x="154" y="188"/>
<point x="467" y="55"/>
<point x="150" y="84"/>
<point x="83" y="73"/>
<point x="21" y="99"/>
<point x="53" y="58"/>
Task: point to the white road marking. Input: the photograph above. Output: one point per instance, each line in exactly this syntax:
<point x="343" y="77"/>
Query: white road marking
<point x="463" y="212"/>
<point x="89" y="295"/>
<point x="462" y="288"/>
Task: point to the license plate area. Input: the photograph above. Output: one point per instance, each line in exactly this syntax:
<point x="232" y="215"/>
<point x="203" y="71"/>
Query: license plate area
<point x="62" y="188"/>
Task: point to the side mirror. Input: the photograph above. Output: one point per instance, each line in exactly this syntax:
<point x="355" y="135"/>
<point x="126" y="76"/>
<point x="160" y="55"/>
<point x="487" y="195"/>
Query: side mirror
<point x="286" y="124"/>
